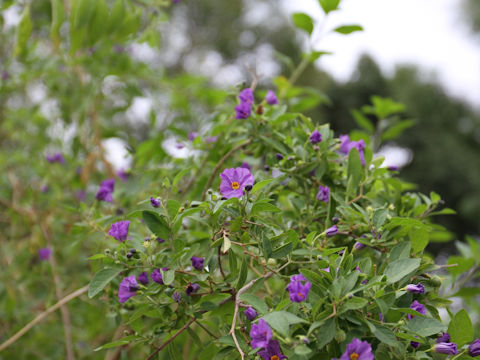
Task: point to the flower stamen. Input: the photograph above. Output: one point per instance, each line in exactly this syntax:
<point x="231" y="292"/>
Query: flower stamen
<point x="235" y="185"/>
<point x="354" y="356"/>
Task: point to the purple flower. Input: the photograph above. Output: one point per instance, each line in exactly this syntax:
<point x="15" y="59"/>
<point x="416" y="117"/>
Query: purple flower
<point x="272" y="351"/>
<point x="417" y="307"/>
<point x="346" y="145"/>
<point x="298" y="291"/>
<point x="360" y="271"/>
<point x="45" y="188"/>
<point x="177" y="297"/>
<point x="211" y="139"/>
<point x="123" y="175"/>
<point x="234" y="181"/>
<point x="446" y="348"/>
<point x="44" y="253"/>
<point x="260" y="334"/>
<point x="197" y="262"/>
<point x="155" y="202"/>
<point x="192" y="136"/>
<point x="271" y="98"/>
<point x="315" y="137"/>
<point x="179" y="146"/>
<point x="416" y="289"/>
<point x="392" y="168"/>
<point x="156" y="275"/>
<point x="119" y="230"/>
<point x="279" y="156"/>
<point x="323" y="193"/>
<point x="160" y="240"/>
<point x="359" y="246"/>
<point x="474" y="348"/>
<point x="57" y="157"/>
<point x="444" y="338"/>
<point x="192" y="288"/>
<point x="358" y="350"/>
<point x="414" y="344"/>
<point x="5" y="75"/>
<point x="143" y="278"/>
<point x="381" y="318"/>
<point x="332" y="230"/>
<point x="250" y="313"/>
<point x="246" y="95"/>
<point x="243" y="110"/>
<point x="245" y="165"/>
<point x="106" y="190"/>
<point x="128" y="288"/>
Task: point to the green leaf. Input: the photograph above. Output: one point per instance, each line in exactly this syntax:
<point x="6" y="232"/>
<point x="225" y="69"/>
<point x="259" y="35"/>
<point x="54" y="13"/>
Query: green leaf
<point x="303" y="21"/>
<point x="329" y="5"/>
<point x="353" y="304"/>
<point x="97" y="256"/>
<point x="461" y="328"/>
<point x="425" y="326"/>
<point x="400" y="251"/>
<point x="260" y="185"/>
<point x="379" y="217"/>
<point x="227" y="244"/>
<point x="168" y="276"/>
<point x="101" y="279"/>
<point x="467" y="292"/>
<point x="385" y="335"/>
<point x="281" y="320"/>
<point x="419" y="239"/>
<point x="243" y="274"/>
<point x="58" y="16"/>
<point x="172" y="208"/>
<point x="120" y="342"/>
<point x="395" y="130"/>
<point x="255" y="301"/>
<point x="24" y="30"/>
<point x="355" y="169"/>
<point x="156" y="224"/>
<point x="282" y="251"/>
<point x="326" y="333"/>
<point x="400" y="268"/>
<point x="348" y="29"/>
<point x="363" y="121"/>
<point x="262" y="207"/>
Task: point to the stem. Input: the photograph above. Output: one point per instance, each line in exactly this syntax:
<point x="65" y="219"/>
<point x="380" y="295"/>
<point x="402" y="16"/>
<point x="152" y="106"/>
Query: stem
<point x="42" y="316"/>
<point x="299" y="70"/>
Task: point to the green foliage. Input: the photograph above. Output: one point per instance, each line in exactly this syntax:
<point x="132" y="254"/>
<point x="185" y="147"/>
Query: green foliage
<point x="251" y="245"/>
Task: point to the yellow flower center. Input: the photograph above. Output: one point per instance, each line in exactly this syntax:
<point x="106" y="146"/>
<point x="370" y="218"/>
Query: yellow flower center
<point x="301" y="295"/>
<point x="274" y="357"/>
<point x="354" y="356"/>
<point x="235" y="185"/>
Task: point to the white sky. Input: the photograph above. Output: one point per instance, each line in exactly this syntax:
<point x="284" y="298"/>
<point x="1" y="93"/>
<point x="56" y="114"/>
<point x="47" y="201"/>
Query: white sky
<point x="430" y="33"/>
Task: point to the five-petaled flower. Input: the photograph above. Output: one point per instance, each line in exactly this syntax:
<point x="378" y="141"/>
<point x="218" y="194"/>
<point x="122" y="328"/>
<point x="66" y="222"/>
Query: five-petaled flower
<point x="417" y="307"/>
<point x="119" y="230"/>
<point x="358" y="350"/>
<point x="315" y="137"/>
<point x="346" y="145"/>
<point x="234" y="181"/>
<point x="250" y="313"/>
<point x="323" y="193"/>
<point x="128" y="288"/>
<point x="157" y="275"/>
<point x="106" y="190"/>
<point x="197" y="262"/>
<point x="298" y="288"/>
<point x="272" y="351"/>
<point x="446" y="348"/>
<point x="260" y="334"/>
<point x="244" y="109"/>
<point x="155" y="202"/>
<point x="192" y="288"/>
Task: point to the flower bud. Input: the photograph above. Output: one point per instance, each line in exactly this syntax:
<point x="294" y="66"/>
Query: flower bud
<point x="248" y="187"/>
<point x="436" y="281"/>
<point x="340" y="335"/>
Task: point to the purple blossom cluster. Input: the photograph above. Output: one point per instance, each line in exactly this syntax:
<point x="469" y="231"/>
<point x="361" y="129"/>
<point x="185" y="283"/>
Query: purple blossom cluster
<point x="55" y="158"/>
<point x="261" y="335"/>
<point x="298" y="288"/>
<point x="105" y="193"/>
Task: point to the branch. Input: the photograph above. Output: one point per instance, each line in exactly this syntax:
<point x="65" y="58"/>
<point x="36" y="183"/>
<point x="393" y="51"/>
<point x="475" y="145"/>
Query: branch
<point x="237" y="305"/>
<point x="42" y="316"/>
<point x="221" y="162"/>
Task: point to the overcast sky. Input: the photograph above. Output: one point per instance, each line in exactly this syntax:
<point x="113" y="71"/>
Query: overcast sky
<point x="430" y="33"/>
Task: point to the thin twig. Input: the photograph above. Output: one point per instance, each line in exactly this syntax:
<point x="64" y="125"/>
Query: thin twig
<point x="237" y="305"/>
<point x="220" y="164"/>
<point x="42" y="316"/>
